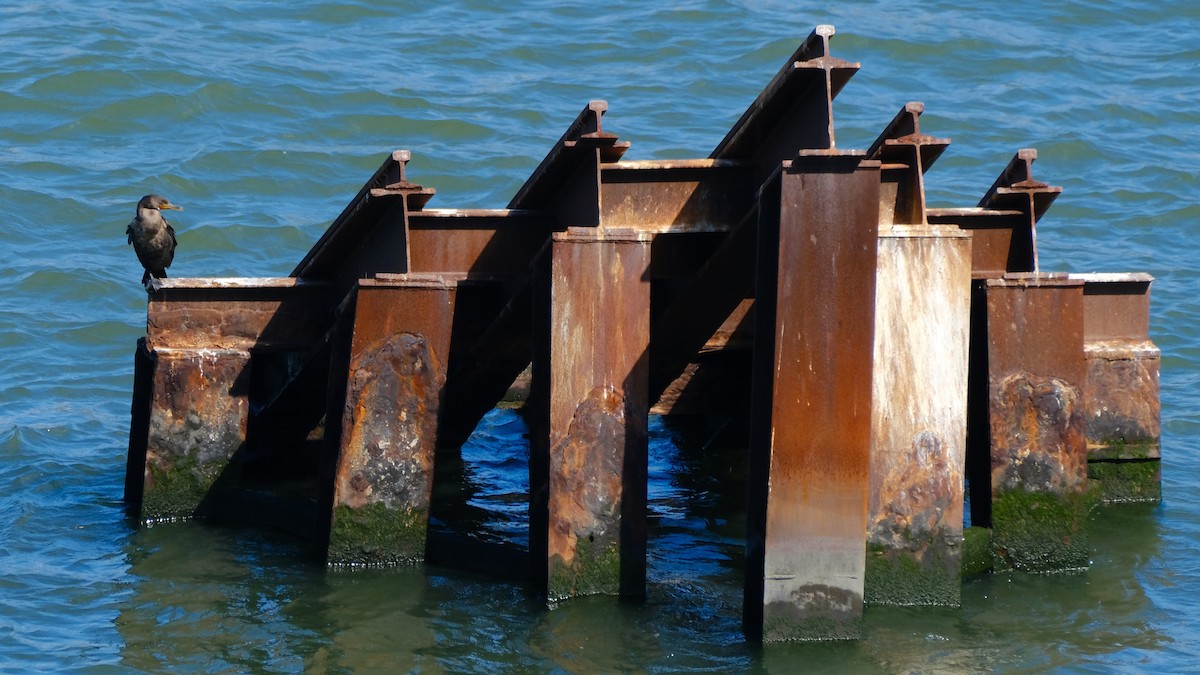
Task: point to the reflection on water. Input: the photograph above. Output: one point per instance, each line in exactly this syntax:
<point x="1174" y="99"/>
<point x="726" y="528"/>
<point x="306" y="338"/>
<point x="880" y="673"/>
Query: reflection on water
<point x="202" y="597"/>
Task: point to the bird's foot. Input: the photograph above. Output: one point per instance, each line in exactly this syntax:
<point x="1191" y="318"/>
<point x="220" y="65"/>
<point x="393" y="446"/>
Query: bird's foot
<point x="153" y="285"/>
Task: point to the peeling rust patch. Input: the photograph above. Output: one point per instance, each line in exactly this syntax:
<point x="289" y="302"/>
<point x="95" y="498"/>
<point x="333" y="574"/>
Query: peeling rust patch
<point x="388" y="455"/>
<point x="197" y="423"/>
<point x="390" y="422"/>
<point x="1122" y="400"/>
<point x="926" y="498"/>
<point x="585" y="493"/>
<point x="1037" y="435"/>
<point x="1040" y="491"/>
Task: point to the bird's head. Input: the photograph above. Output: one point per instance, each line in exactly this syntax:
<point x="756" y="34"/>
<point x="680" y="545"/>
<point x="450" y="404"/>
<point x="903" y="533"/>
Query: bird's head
<point x="158" y="203"/>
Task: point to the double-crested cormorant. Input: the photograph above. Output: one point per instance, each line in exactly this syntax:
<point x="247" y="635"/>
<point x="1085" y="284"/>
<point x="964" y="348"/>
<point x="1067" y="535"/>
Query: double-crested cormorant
<point x="152" y="236"/>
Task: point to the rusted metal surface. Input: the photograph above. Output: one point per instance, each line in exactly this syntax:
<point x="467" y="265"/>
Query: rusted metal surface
<point x="673" y="281"/>
<point x="567" y="182"/>
<point x="1016" y="188"/>
<point x="478" y="244"/>
<point x="371" y="233"/>
<point x="1004" y="224"/>
<point x="1122" y="400"/>
<point x="716" y="380"/>
<point x="1001" y="241"/>
<point x="922" y="309"/>
<point x="1116" y="306"/>
<point x="675" y="196"/>
<point x="388" y="421"/>
<point x="238" y="313"/>
<point x="810" y="453"/>
<point x="597" y="414"/>
<point x="1036" y="373"/>
<point x="1121" y="396"/>
<point x="794" y="110"/>
<point x="906" y="154"/>
<point x="195" y="424"/>
<point x="712" y="299"/>
<point x="918" y="451"/>
<point x="1122" y="391"/>
<point x="491" y="347"/>
<point x="564" y="191"/>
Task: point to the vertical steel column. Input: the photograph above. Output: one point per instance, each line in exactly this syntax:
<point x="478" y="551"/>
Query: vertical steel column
<point x="381" y="428"/>
<point x="919" y="428"/>
<point x="1036" y="372"/>
<point x="594" y="537"/>
<point x="1121" y="395"/>
<point x="811" y="426"/>
<point x="190" y="418"/>
<point x="1004" y="240"/>
<point x="919" y="424"/>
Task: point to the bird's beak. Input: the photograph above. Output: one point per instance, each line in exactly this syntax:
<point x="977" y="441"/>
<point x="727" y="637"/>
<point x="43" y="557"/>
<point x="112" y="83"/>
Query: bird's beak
<point x="169" y="205"/>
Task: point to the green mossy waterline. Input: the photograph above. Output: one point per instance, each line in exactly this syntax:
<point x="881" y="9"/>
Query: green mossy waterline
<point x="595" y="570"/>
<point x="377" y="535"/>
<point x="1127" y="481"/>
<point x="812" y="629"/>
<point x="175" y="491"/>
<point x="1120" y="448"/>
<point x="898" y="578"/>
<point x="977" y="551"/>
<point x="1042" y="531"/>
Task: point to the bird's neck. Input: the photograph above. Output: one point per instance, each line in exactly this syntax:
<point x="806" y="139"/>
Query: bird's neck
<point x="152" y="217"/>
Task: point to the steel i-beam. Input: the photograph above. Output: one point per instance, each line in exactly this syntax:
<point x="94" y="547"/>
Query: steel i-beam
<point x="811" y="420"/>
<point x="922" y="303"/>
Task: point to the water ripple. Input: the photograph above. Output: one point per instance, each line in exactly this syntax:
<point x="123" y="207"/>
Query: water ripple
<point x="264" y="119"/>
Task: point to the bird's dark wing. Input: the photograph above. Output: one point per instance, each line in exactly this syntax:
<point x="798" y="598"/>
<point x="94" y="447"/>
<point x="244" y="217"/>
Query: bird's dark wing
<point x="171" y="249"/>
<point x="129" y="233"/>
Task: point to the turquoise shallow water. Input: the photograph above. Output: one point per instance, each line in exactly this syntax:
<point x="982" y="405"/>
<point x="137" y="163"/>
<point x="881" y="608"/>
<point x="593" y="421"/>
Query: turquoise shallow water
<point x="264" y="119"/>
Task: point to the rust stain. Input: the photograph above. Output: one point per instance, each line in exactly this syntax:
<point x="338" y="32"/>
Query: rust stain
<point x="922" y="496"/>
<point x="1037" y="435"/>
<point x="198" y="415"/>
<point x="1122" y="395"/>
<point x="585" y="476"/>
<point x="920" y="383"/>
<point x="391" y="423"/>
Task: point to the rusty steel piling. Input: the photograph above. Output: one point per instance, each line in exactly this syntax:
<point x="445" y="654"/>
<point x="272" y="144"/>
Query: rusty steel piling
<point x="919" y="407"/>
<point x="811" y="419"/>
<point x="387" y="418"/>
<point x="875" y="358"/>
<point x="1121" y="392"/>
<point x="598" y="413"/>
<point x="1040" y="495"/>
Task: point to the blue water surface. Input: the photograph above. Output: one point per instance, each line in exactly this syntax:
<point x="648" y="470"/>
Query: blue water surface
<point x="263" y="120"/>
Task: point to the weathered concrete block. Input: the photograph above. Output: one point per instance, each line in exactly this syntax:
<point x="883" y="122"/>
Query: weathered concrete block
<point x="919" y="407"/>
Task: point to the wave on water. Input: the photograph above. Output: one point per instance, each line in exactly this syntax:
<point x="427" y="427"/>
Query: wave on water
<point x="264" y="119"/>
